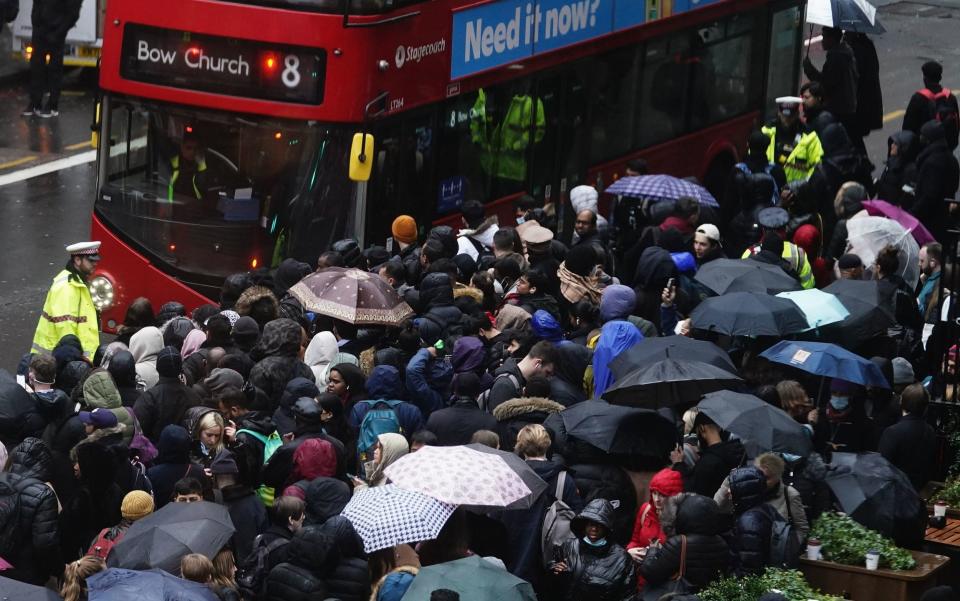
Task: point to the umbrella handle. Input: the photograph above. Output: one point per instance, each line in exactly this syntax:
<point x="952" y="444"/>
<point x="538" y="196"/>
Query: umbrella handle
<point x="809" y="41"/>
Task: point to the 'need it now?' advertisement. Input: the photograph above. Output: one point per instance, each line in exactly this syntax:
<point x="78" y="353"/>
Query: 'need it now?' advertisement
<point x="495" y="34"/>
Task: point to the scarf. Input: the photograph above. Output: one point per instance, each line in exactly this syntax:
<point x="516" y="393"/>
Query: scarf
<point x="575" y="287"/>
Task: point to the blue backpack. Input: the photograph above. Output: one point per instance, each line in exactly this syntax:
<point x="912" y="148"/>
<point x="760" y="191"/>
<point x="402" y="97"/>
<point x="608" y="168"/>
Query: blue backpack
<point x="380" y="418"/>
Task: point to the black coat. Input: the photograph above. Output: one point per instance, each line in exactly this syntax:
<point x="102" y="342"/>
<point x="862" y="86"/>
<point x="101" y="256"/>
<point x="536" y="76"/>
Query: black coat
<point x="456" y="424"/>
<point x="95" y="506"/>
<point x="752" y="526"/>
<point x="504" y="388"/>
<point x="350" y="580"/>
<point x="714" y="465"/>
<point x="566" y="387"/>
<point x="52" y="19"/>
<point x="272" y="374"/>
<point x="839" y="80"/>
<point x="512" y="416"/>
<point x="309" y="558"/>
<point x="597" y="573"/>
<point x="164" y="404"/>
<point x="698" y="518"/>
<point x="920" y="110"/>
<point x="909" y="444"/>
<point x="277" y="471"/>
<point x="869" y="94"/>
<point x="612" y="483"/>
<point x="172" y="464"/>
<point x="938" y="175"/>
<point x="249" y="516"/>
<point x="37" y="556"/>
<point x="247" y="449"/>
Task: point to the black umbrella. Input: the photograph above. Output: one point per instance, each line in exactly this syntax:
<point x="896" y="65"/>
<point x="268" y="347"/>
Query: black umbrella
<point x="671" y="347"/>
<point x="871" y="307"/>
<point x="669" y="383"/>
<point x="534" y="482"/>
<point x="162" y="538"/>
<point x="749" y="314"/>
<point x="873" y="491"/>
<point x="620" y="430"/>
<point x="759" y="425"/>
<point x="737" y="275"/>
<point x="14" y="590"/>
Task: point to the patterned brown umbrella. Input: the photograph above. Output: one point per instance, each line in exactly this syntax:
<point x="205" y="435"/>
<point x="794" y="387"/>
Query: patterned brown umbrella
<point x="351" y="295"/>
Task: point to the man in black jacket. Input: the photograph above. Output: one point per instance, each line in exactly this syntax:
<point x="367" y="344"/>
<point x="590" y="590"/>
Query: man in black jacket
<point x="910" y="443"/>
<point x="51" y="20"/>
<point x="839" y="80"/>
<point x="938" y="175"/>
<point x="717" y="458"/>
<point x="456" y="424"/>
<point x="168" y="401"/>
<point x="246" y="432"/>
<point x="35" y="551"/>
<point x="922" y="108"/>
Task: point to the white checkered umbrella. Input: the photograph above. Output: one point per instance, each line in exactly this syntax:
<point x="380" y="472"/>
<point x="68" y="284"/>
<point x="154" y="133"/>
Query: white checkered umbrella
<point x="387" y="516"/>
<point x="459" y="475"/>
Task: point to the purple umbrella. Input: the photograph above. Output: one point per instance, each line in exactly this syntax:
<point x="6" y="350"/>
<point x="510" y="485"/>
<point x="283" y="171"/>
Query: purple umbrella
<point x="660" y="187"/>
<point x="882" y="208"/>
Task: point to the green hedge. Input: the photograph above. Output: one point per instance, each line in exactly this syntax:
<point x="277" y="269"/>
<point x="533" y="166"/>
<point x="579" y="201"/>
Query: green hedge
<point x="790" y="583"/>
<point x="845" y="541"/>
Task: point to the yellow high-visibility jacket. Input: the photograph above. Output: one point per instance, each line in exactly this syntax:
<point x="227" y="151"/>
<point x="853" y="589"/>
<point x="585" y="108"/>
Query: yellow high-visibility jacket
<point x="803" y="159"/>
<point x="796" y="258"/>
<point x="68" y="309"/>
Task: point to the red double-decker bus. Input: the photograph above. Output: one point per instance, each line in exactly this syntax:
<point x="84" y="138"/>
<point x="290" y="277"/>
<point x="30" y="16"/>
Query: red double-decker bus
<point x="225" y="127"/>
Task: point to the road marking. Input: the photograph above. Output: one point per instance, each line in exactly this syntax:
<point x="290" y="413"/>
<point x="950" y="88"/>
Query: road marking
<point x="814" y="40"/>
<point x="16" y="162"/>
<point x="45" y="168"/>
<point x="78" y="145"/>
<point x="893" y="115"/>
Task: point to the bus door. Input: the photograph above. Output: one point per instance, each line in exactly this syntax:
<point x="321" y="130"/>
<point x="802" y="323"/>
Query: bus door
<point x="559" y="160"/>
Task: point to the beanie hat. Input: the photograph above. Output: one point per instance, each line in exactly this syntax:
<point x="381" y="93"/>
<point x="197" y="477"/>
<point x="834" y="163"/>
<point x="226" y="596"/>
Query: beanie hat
<point x="902" y="371"/>
<point x="404" y="229"/>
<point x="169" y="362"/>
<point x="137" y="504"/>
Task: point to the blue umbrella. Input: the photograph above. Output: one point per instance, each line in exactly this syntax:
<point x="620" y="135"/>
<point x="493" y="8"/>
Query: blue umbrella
<point x="819" y="307"/>
<point x="118" y="584"/>
<point x="828" y="360"/>
<point x="660" y="187"/>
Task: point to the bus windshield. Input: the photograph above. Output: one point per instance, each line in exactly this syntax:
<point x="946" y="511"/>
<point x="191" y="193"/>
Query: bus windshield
<point x="210" y="194"/>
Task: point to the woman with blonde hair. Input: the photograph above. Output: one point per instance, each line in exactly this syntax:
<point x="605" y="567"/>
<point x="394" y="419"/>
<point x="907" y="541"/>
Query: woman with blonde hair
<point x="224" y="573"/>
<point x="75" y="576"/>
<point x="207" y="438"/>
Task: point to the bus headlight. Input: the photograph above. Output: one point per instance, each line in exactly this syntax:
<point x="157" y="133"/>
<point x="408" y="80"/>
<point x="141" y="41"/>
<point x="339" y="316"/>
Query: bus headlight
<point x="101" y="290"/>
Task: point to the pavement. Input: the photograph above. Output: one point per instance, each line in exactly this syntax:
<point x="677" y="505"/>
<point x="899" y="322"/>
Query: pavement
<point x="48" y="180"/>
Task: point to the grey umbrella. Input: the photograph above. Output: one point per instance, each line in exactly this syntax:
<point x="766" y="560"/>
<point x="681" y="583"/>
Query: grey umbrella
<point x="14" y="590"/>
<point x="162" y="538"/>
<point x="760" y="426"/>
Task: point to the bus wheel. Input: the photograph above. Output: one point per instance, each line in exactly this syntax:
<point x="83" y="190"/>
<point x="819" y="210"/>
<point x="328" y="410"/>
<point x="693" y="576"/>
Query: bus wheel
<point x="715" y="179"/>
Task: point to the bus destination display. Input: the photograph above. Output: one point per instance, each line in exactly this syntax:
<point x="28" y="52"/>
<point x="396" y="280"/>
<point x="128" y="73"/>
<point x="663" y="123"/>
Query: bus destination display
<point x="223" y="65"/>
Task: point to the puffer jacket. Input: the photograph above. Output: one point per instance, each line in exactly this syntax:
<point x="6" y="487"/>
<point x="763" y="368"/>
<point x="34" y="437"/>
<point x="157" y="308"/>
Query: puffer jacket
<point x="697" y="518"/>
<point x="309" y="558"/>
<point x="611" y="482"/>
<point x="513" y="415"/>
<point x="145" y="345"/>
<point x="350" y="580"/>
<point x="99" y="392"/>
<point x="598" y="573"/>
<point x="37" y="556"/>
<point x="751" y="529"/>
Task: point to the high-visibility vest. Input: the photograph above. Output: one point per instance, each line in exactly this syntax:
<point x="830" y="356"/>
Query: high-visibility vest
<point x="175" y="166"/>
<point x="804" y="157"/>
<point x="68" y="309"/>
<point x="504" y="145"/>
<point x="795" y="258"/>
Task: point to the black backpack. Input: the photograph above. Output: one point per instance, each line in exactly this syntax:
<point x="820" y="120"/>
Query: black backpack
<point x="784" y="551"/>
<point x="10" y="508"/>
<point x="944" y="111"/>
<point x="253" y="570"/>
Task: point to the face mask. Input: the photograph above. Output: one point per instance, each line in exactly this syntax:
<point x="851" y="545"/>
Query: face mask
<point x="598" y="543"/>
<point x="839" y="403"/>
<point x="520" y="220"/>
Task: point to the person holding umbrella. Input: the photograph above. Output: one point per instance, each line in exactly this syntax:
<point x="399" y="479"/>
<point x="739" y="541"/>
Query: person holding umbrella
<point x="842" y="424"/>
<point x="718" y="455"/>
<point x="591" y="566"/>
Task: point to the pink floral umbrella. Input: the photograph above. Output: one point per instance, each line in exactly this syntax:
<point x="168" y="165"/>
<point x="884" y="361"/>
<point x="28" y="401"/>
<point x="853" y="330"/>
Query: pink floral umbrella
<point x="882" y="208"/>
<point x="459" y="476"/>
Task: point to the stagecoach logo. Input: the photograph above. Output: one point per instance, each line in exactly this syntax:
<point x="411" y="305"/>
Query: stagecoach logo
<point x="418" y="53"/>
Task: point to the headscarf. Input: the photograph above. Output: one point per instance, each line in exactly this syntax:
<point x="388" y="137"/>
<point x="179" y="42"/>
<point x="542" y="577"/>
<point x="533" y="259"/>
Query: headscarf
<point x="192" y="342"/>
<point x="355" y="380"/>
<point x="320" y="355"/>
<point x="615" y="338"/>
<point x="512" y="317"/>
<point x="392" y="447"/>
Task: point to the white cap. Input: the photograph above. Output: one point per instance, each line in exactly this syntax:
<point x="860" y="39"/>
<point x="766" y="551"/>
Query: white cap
<point x="710" y="231"/>
<point x="789" y="100"/>
<point x="84" y="248"/>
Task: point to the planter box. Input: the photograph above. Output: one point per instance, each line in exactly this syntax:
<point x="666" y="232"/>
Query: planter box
<point x="862" y="584"/>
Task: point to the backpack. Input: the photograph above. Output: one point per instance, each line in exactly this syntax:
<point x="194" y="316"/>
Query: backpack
<point x="270" y="445"/>
<point x="484" y="399"/>
<point x="380" y="418"/>
<point x="784" y="551"/>
<point x="253" y="569"/>
<point x="945" y="112"/>
<point x="10" y="508"/>
<point x="105" y="541"/>
<point x="766" y="176"/>
<point x="556" y="524"/>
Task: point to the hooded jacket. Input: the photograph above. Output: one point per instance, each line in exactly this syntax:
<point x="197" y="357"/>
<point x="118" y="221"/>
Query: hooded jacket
<point x="277" y="363"/>
<point x="37" y="554"/>
<point x="321" y="355"/>
<point x="752" y="527"/>
<point x="546" y="327"/>
<point x="566" y="387"/>
<point x="482" y="234"/>
<point x="470" y="355"/>
<point x="938" y="175"/>
<point x="350" y="580"/>
<point x="604" y="573"/>
<point x="172" y="463"/>
<point x="667" y="482"/>
<point x="296" y="388"/>
<point x="311" y="555"/>
<point x="616" y="337"/>
<point x="617" y="302"/>
<point x="540" y="301"/>
<point x="714" y="465"/>
<point x="99" y="392"/>
<point x="427" y="382"/>
<point x="325" y="498"/>
<point x="510" y="417"/>
<point x="900" y="170"/>
<point x="145" y="345"/>
<point x="384" y="384"/>
<point x="164" y="404"/>
<point x="123" y="368"/>
<point x="698" y="519"/>
<point x="438" y="312"/>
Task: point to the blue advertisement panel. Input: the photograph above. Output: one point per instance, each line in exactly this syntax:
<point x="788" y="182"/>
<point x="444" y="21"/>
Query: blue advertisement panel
<point x="499" y="33"/>
<point x="628" y="14"/>
<point x="682" y="6"/>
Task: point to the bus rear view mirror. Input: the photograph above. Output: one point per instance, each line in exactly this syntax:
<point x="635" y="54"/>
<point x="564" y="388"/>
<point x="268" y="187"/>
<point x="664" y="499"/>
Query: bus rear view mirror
<point x="361" y="157"/>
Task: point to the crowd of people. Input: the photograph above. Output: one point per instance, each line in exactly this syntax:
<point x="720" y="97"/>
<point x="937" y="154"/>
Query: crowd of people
<point x="281" y="413"/>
